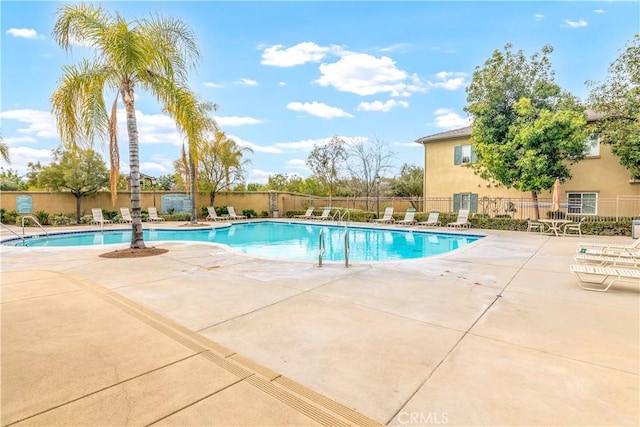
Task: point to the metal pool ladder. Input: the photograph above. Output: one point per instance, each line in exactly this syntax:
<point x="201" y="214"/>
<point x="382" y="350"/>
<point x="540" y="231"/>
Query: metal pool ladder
<point x="320" y="247"/>
<point x="346" y="246"/>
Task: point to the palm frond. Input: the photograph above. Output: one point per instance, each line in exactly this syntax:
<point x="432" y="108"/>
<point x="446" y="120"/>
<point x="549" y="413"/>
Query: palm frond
<point x="78" y="104"/>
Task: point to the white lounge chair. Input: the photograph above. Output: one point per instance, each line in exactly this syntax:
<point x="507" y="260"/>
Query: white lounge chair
<point x="232" y="213"/>
<point x="125" y="215"/>
<point x="409" y="218"/>
<point x="387" y="218"/>
<point x="605" y="260"/>
<point x="98" y="218"/>
<point x="307" y="215"/>
<point x="213" y="216"/>
<point x="603" y="276"/>
<point x="462" y="221"/>
<point x="325" y="215"/>
<point x="603" y="246"/>
<point x="432" y="221"/>
<point x="153" y="214"/>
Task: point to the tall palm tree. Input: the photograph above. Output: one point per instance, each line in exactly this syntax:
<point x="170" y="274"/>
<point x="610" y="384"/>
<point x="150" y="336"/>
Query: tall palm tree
<point x="153" y="54"/>
<point x="196" y="124"/>
<point x="4" y="151"/>
<point x="230" y="155"/>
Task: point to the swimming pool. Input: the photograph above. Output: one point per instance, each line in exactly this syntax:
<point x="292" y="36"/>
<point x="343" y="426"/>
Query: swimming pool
<point x="283" y="240"/>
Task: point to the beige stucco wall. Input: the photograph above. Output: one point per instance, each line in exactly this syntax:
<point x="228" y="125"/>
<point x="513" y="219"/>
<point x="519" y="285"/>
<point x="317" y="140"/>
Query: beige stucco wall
<point x="602" y="174"/>
<point x="55" y="203"/>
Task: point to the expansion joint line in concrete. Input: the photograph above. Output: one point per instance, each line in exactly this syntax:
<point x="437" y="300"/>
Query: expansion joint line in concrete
<point x="307" y="402"/>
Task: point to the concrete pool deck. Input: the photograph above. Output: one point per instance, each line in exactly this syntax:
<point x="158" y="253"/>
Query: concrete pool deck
<point x="496" y="333"/>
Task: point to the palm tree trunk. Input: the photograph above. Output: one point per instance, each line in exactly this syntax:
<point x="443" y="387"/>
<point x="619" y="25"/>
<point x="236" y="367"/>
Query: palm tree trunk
<point x="137" y="240"/>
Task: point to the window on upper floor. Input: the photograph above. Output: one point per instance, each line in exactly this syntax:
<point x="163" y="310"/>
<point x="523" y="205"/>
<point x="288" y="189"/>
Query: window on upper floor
<point x="592" y="146"/>
<point x="463" y="154"/>
<point x="582" y="203"/>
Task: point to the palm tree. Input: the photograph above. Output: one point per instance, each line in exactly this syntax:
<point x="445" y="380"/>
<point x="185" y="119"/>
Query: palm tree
<point x="230" y="156"/>
<point x="4" y="151"/>
<point x="196" y="124"/>
<point x="154" y="54"/>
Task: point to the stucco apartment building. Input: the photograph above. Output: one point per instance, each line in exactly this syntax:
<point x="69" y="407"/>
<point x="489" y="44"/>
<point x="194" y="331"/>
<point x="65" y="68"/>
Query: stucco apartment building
<point x="599" y="186"/>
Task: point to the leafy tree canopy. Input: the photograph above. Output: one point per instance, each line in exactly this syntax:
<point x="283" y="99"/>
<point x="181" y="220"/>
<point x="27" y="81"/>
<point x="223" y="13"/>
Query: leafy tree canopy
<point x="326" y="161"/>
<point x="525" y="130"/>
<point x="618" y="99"/>
<point x="409" y="183"/>
<point x="11" y="181"/>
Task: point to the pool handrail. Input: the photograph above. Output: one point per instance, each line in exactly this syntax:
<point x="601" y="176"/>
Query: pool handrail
<point x="320" y="246"/>
<point x="24" y="243"/>
<point x="34" y="219"/>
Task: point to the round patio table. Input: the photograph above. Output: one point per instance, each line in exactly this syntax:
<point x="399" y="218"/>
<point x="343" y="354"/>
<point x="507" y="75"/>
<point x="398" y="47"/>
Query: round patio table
<point x="554" y="225"/>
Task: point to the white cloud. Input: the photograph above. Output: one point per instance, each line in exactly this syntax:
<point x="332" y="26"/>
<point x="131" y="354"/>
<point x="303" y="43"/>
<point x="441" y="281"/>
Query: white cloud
<point x="299" y="164"/>
<point x="448" y="119"/>
<point x="575" y="24"/>
<point x="599" y="10"/>
<point x="365" y="74"/>
<point x="381" y="106"/>
<point x="213" y="85"/>
<point x="538" y="16"/>
<point x="24" y="33"/>
<point x="259" y="176"/>
<point x="318" y="109"/>
<point x="236" y="121"/>
<point x="22" y="156"/>
<point x="279" y="56"/>
<point x="255" y="147"/>
<point x="152" y="129"/>
<point x="303" y="145"/>
<point x="41" y="124"/>
<point x="396" y="47"/>
<point x="450" y="80"/>
<point x="247" y="82"/>
<point x="282" y="84"/>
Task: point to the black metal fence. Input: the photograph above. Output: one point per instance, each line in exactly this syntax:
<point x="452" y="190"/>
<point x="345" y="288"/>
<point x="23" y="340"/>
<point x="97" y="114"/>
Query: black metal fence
<point x="603" y="209"/>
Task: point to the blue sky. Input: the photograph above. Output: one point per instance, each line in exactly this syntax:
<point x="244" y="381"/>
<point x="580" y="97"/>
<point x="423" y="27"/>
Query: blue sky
<point x="289" y="74"/>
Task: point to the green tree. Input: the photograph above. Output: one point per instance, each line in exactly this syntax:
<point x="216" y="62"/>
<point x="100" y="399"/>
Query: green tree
<point x="153" y="54"/>
<point x="82" y="173"/>
<point x="525" y="129"/>
<point x="618" y="100"/>
<point x="220" y="164"/>
<point x="11" y="181"/>
<point x="409" y="183"/>
<point x="278" y="182"/>
<point x="325" y="162"/>
<point x="165" y="182"/>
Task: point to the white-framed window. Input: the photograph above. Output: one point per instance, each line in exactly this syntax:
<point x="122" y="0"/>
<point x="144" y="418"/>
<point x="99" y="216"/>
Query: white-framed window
<point x="466" y="154"/>
<point x="592" y="146"/>
<point x="582" y="203"/>
<point x="465" y="201"/>
<point x="463" y="154"/>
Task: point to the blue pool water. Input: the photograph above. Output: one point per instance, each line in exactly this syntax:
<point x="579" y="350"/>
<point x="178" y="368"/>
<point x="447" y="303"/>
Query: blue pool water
<point x="284" y="240"/>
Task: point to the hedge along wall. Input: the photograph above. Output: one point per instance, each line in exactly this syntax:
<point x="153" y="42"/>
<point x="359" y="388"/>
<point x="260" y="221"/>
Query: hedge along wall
<point x="64" y="202"/>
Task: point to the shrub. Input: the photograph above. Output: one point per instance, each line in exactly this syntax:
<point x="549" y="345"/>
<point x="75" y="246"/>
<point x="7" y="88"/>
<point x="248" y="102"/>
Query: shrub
<point x="62" y="219"/>
<point x="43" y="217"/>
<point x="249" y="213"/>
<point x="9" y="217"/>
